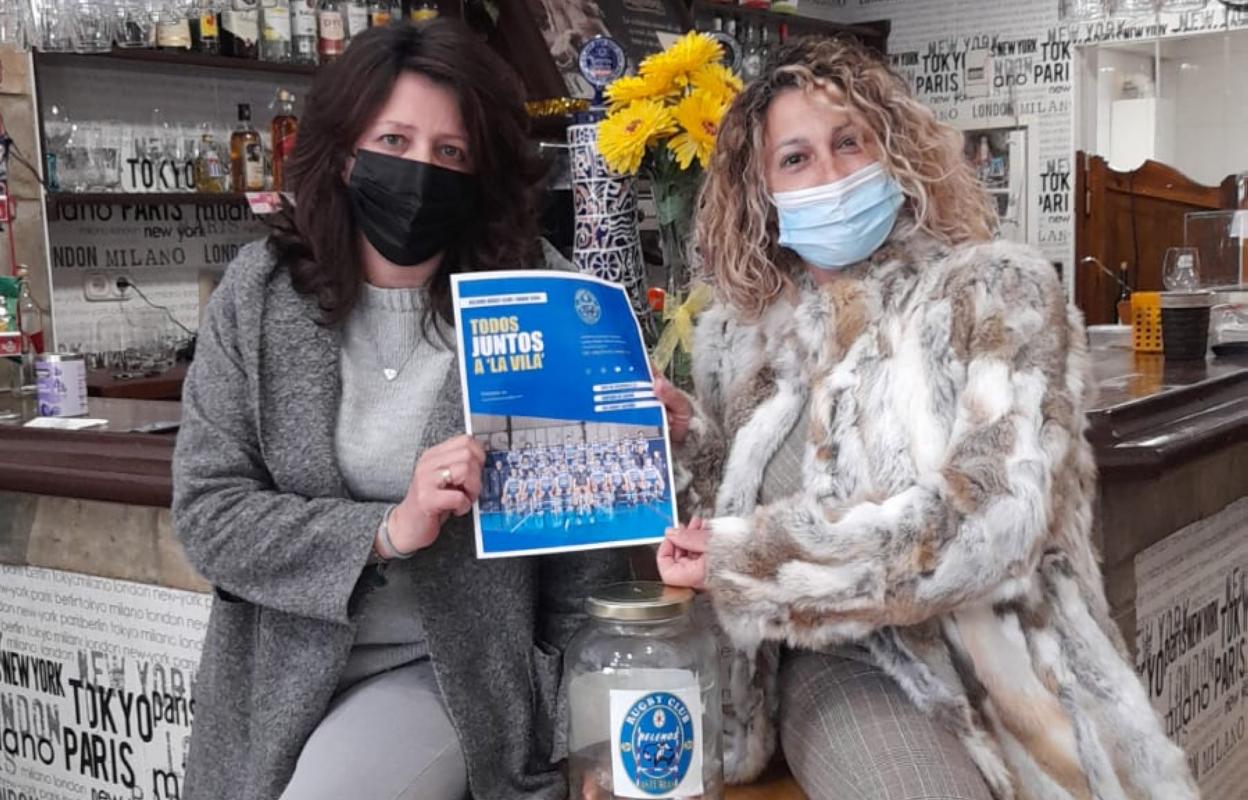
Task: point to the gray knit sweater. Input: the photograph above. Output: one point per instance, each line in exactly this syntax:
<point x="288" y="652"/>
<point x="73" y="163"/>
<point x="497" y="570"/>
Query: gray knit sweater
<point x="260" y="504"/>
<point x="381" y="423"/>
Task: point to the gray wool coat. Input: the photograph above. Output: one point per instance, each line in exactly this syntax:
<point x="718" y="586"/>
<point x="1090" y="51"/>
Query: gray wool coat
<point x="261" y="508"/>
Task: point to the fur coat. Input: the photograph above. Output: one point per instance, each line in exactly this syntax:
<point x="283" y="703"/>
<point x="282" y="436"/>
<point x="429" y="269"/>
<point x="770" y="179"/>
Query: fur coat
<point x="945" y="516"/>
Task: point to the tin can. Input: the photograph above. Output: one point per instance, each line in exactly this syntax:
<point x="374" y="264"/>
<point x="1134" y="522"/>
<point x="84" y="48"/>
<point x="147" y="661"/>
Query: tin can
<point x="62" y="384"/>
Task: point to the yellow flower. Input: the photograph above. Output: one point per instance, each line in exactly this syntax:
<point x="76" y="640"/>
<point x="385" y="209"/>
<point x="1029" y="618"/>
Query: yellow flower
<point x="699" y="116"/>
<point x="623" y="91"/>
<point x="624" y="135"/>
<point x="671" y="68"/>
<point x="718" y="80"/>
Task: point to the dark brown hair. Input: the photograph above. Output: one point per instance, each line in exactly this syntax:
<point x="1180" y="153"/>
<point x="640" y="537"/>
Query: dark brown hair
<point x="317" y="241"/>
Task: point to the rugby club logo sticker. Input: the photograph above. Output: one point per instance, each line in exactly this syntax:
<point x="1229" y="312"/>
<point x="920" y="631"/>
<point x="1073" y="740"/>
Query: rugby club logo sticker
<point x="657" y="743"/>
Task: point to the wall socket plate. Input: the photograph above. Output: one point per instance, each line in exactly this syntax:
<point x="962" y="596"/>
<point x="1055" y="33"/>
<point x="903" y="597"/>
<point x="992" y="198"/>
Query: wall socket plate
<point x="100" y="287"/>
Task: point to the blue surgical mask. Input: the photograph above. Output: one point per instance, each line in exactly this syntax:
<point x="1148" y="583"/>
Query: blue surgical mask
<point x="841" y="223"/>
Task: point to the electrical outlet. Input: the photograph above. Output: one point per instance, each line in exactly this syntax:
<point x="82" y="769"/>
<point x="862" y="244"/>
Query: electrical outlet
<point x="101" y="287"/>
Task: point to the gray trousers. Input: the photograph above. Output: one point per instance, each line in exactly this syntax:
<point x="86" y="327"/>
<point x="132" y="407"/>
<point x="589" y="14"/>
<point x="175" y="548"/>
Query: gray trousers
<point x="386" y="738"/>
<point x="849" y="733"/>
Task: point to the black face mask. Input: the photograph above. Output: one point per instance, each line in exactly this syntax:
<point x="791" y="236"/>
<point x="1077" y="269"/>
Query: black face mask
<point x="409" y="210"/>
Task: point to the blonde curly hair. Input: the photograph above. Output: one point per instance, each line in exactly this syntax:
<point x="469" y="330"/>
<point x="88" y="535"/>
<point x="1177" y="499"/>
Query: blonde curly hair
<point x="736" y="230"/>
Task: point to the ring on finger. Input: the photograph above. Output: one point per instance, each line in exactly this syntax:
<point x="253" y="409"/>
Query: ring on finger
<point x="444" y="477"/>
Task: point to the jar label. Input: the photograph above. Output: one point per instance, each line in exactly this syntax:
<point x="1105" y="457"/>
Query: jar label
<point x="656" y="742"/>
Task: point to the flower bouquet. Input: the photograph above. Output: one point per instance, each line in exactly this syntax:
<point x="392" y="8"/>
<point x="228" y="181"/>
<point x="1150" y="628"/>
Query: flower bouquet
<point x="662" y="124"/>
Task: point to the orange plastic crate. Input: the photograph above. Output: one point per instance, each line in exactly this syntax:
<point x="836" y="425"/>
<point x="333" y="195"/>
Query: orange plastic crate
<point x="1146" y="321"/>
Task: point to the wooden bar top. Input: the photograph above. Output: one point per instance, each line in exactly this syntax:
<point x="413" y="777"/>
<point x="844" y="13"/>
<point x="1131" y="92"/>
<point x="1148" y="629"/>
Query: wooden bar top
<point x="1153" y="414"/>
<point x="1150" y="416"/>
<point x="112" y="462"/>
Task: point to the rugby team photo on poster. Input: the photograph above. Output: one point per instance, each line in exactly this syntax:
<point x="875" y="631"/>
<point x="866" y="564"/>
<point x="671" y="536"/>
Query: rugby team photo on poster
<point x="557" y="388"/>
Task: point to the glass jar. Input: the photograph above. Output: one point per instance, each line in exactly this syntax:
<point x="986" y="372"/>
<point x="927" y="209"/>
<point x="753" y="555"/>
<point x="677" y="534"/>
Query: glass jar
<point x="643" y="689"/>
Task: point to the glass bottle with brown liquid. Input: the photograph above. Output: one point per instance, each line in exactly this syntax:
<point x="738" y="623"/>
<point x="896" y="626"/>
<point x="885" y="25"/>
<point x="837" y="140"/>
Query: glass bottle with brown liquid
<point x="246" y="154"/>
<point x="282" y="129"/>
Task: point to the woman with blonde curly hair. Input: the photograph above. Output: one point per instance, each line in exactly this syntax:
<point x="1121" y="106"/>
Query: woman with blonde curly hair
<point x="886" y="449"/>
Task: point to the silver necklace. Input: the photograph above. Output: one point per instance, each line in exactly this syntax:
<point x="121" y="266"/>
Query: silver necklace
<point x="390" y="373"/>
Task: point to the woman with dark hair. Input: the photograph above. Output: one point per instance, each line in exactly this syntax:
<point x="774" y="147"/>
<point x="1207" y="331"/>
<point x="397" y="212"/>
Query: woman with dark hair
<point x="357" y="648"/>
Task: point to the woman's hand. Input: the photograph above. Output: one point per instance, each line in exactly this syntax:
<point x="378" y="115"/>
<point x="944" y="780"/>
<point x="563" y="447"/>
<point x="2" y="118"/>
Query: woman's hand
<point x="682" y="555"/>
<point x="676" y="404"/>
<point x="447" y="480"/>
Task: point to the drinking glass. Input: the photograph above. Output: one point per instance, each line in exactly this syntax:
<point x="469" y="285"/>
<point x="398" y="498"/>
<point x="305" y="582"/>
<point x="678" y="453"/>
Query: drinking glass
<point x="73" y="169"/>
<point x="17" y="24"/>
<point x="152" y="144"/>
<point x="105" y="156"/>
<point x="171" y="158"/>
<point x="1181" y="272"/>
<point x="111" y="338"/>
<point x="94" y="27"/>
<point x="57" y="131"/>
<point x="150" y="346"/>
<point x="136" y="25"/>
<point x="58" y="29"/>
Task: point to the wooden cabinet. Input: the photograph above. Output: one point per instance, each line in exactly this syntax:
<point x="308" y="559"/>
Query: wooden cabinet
<point x="1131" y="217"/>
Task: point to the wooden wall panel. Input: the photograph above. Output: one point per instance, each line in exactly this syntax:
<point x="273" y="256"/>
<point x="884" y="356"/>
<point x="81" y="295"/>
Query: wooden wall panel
<point x="1131" y="217"/>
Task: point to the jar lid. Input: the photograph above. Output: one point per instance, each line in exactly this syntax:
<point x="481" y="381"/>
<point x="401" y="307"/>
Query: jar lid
<point x="1186" y="299"/>
<point x="639" y="601"/>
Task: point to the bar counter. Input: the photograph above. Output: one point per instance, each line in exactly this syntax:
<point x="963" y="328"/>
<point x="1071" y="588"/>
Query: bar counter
<point x="93" y="501"/>
<point x="1171" y="443"/>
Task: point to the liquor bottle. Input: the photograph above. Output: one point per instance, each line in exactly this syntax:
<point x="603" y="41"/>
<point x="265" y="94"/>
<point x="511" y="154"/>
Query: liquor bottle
<point x="331" y="25"/>
<point x="275" y="31"/>
<point x="357" y="18"/>
<point x="210" y="173"/>
<point x="173" y="29"/>
<point x="1123" y="304"/>
<point x="765" y="46"/>
<point x="30" y="322"/>
<point x="303" y="31"/>
<point x="240" y="29"/>
<point x="246" y="154"/>
<point x="421" y="10"/>
<point x="784" y="32"/>
<point x="282" y="132"/>
<point x="730" y="27"/>
<point x="752" y="61"/>
<point x="205" y="29"/>
<point x="379" y="14"/>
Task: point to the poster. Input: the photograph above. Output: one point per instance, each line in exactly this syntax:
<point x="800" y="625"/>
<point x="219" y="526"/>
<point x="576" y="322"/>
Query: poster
<point x="641" y="27"/>
<point x="95" y="685"/>
<point x="162" y="247"/>
<point x="557" y="388"/>
<point x="1192" y="644"/>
